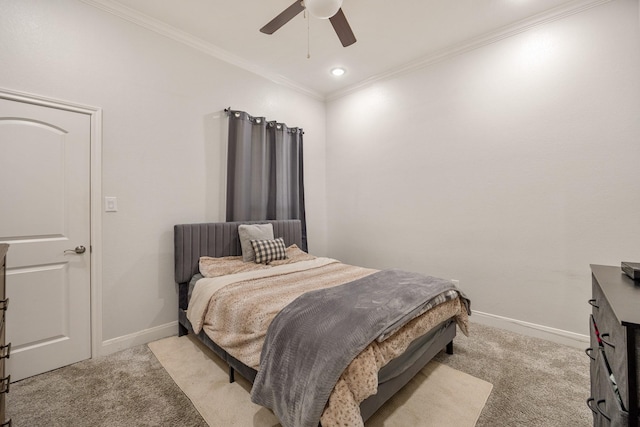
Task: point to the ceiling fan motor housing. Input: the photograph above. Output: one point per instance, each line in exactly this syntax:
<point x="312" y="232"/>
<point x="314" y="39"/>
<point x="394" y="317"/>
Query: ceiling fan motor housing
<point x="323" y="9"/>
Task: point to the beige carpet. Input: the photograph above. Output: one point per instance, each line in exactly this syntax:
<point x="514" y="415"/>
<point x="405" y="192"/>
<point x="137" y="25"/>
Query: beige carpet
<point x="438" y="396"/>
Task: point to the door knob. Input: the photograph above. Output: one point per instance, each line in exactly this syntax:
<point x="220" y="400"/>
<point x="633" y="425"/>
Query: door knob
<point x="77" y="250"/>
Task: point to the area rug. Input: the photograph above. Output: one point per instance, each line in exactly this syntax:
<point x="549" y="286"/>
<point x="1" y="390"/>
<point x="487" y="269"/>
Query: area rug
<point x="438" y="396"/>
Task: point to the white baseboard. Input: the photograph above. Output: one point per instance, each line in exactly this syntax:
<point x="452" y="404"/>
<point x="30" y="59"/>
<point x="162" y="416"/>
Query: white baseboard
<point x="531" y="329"/>
<point x="138" y="338"/>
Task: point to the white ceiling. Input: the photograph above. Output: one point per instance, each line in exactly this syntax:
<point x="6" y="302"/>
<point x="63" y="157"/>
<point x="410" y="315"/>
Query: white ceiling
<point x="392" y="35"/>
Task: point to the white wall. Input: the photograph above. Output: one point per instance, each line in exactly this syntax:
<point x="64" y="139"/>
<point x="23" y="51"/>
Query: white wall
<point x="511" y="167"/>
<point x="161" y="150"/>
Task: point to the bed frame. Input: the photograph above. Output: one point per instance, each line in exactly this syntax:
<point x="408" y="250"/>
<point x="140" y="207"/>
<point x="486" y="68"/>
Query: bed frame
<point x="221" y="239"/>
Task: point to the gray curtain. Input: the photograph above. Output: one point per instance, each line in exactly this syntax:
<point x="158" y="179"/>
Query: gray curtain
<point x="265" y="178"/>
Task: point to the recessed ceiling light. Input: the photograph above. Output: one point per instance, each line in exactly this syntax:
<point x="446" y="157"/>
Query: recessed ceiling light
<point x="338" y="71"/>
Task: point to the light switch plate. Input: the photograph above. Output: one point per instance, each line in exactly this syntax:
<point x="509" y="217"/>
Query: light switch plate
<point x="110" y="204"/>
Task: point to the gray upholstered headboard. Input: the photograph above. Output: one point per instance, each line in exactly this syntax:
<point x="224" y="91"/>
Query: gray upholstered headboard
<point x="218" y="239"/>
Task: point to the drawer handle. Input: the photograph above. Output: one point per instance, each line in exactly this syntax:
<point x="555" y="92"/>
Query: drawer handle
<point x="5" y="353"/>
<point x="605" y="341"/>
<point x="592" y="302"/>
<point x="589" y="402"/>
<point x="588" y="353"/>
<point x="600" y="410"/>
<point x="4" y="384"/>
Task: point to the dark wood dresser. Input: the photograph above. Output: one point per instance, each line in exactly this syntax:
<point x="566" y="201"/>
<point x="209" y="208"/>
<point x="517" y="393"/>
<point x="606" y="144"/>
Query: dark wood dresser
<point x="4" y="349"/>
<point x="615" y="348"/>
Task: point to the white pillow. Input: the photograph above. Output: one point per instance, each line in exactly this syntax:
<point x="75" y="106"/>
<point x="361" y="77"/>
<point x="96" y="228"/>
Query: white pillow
<point x="249" y="232"/>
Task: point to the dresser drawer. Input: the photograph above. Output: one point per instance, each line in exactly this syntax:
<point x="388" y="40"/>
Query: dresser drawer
<point x="4" y="303"/>
<point x="2" y="279"/>
<point x="613" y="338"/>
<point x="607" y="404"/>
<point x="592" y="351"/>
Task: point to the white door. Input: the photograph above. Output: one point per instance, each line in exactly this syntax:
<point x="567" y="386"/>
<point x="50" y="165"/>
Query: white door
<point x="44" y="216"/>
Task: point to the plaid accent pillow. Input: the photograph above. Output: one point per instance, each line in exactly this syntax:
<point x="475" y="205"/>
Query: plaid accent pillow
<point x="269" y="250"/>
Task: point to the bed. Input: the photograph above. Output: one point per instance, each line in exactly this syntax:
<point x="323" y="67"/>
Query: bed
<point x="193" y="241"/>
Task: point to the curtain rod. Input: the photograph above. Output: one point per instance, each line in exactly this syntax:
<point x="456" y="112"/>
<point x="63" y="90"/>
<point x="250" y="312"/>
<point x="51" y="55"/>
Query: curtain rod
<point x="228" y="110"/>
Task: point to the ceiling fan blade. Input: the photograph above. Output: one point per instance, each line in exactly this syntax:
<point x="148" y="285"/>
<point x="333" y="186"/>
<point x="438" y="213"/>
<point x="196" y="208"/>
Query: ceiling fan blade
<point x="287" y="15"/>
<point x="343" y="30"/>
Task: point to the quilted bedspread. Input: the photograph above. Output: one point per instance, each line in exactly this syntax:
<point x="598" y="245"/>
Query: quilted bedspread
<point x="235" y="311"/>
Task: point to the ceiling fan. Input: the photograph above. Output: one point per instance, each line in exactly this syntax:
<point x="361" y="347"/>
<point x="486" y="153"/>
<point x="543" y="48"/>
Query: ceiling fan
<point x="323" y="9"/>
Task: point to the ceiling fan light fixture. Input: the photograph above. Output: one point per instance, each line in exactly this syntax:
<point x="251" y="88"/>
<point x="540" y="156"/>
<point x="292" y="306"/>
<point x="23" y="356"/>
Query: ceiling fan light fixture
<point x="323" y="9"/>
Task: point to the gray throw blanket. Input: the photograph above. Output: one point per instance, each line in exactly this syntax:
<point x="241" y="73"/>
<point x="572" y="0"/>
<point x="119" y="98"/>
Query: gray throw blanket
<point x="313" y="339"/>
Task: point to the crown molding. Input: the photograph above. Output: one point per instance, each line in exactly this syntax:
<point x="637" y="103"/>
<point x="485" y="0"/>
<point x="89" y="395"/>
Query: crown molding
<point x="557" y="13"/>
<point x="560" y="12"/>
<point x="173" y="33"/>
